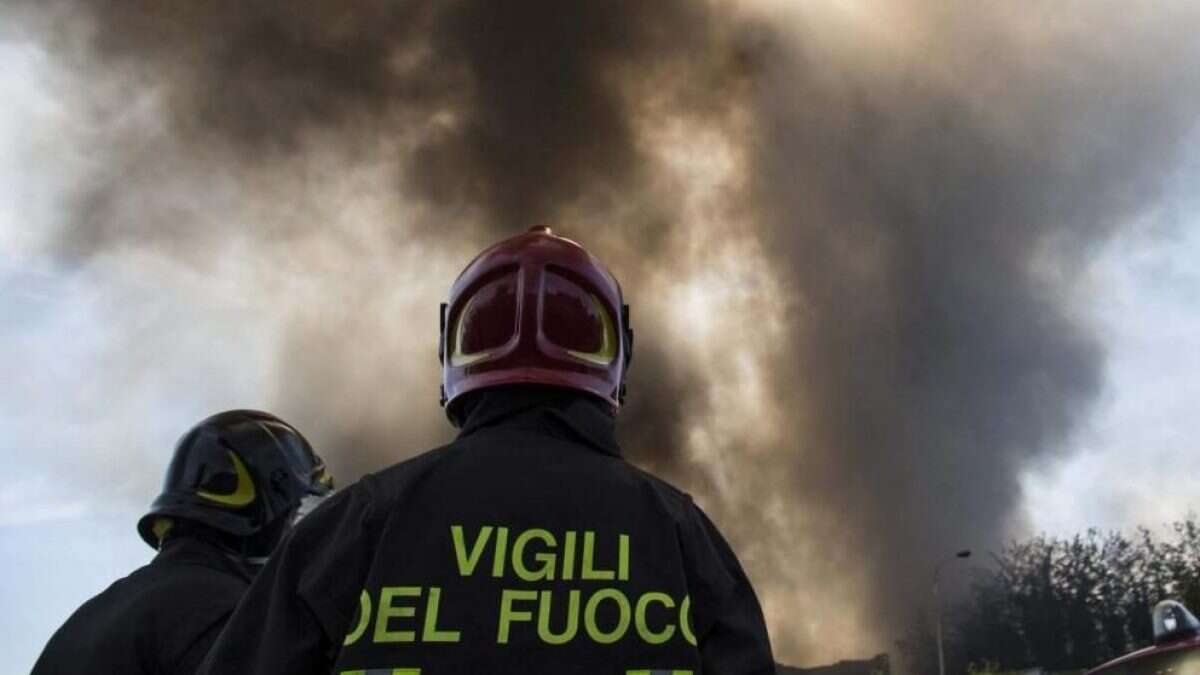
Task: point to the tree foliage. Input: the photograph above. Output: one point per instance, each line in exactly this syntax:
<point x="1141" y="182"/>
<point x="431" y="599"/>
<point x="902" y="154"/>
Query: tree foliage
<point x="1073" y="603"/>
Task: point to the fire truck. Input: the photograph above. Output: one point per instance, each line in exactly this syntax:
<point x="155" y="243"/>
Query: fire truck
<point x="1176" y="649"/>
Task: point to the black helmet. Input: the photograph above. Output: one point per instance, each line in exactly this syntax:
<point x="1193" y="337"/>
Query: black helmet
<point x="236" y="472"/>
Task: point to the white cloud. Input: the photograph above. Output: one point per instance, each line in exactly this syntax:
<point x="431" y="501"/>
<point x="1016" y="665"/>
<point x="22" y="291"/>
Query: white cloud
<point x="1138" y="458"/>
<point x="35" y="499"/>
<point x="37" y="138"/>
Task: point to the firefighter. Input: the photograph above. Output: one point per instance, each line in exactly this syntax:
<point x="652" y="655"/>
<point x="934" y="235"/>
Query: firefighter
<point x="234" y="486"/>
<point x="526" y="545"/>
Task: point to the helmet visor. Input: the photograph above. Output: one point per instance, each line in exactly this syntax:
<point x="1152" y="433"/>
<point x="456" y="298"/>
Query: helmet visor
<point x="486" y="323"/>
<point x="576" y="320"/>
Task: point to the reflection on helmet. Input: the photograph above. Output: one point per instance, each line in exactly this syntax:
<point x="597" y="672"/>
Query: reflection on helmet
<point x="486" y="323"/>
<point x="577" y="321"/>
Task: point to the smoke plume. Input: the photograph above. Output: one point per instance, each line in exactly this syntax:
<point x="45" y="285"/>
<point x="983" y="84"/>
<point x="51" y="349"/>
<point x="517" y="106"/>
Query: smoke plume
<point x="850" y="234"/>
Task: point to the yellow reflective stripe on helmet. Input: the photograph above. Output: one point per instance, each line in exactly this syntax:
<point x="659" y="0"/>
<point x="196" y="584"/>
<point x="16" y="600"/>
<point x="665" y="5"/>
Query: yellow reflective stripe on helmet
<point x="608" y="345"/>
<point x="160" y="528"/>
<point x="458" y="358"/>
<point x="243" y="492"/>
<point x="321" y="476"/>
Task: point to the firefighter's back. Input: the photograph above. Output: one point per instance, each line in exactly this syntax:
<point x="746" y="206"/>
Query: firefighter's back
<point x="160" y="619"/>
<point x="526" y="546"/>
<point x="518" y="549"/>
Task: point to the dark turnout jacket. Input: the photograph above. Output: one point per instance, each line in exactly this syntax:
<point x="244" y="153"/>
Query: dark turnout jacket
<point x="160" y="620"/>
<point x="528" y="545"/>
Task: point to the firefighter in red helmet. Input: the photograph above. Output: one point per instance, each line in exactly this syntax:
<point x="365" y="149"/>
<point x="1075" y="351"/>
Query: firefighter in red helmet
<point x="527" y="545"/>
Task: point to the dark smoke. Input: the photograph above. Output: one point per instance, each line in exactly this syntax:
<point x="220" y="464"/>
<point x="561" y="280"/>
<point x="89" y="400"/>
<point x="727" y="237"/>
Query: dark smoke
<point x="933" y="230"/>
<point x="498" y="116"/>
<point x="908" y="196"/>
<point x="508" y="113"/>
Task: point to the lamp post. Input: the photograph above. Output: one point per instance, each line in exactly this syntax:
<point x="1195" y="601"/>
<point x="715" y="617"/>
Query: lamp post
<point x="937" y="606"/>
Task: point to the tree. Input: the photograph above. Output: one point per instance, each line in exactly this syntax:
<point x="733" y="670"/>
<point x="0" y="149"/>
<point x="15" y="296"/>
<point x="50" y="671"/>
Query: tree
<point x="1073" y="603"/>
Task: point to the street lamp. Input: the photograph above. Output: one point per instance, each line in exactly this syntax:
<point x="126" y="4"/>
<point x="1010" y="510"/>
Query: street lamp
<point x="937" y="606"/>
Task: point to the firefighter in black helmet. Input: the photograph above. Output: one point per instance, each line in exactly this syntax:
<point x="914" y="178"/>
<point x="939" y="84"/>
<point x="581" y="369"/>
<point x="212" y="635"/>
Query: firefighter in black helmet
<point x="236" y="483"/>
<point x="527" y="545"/>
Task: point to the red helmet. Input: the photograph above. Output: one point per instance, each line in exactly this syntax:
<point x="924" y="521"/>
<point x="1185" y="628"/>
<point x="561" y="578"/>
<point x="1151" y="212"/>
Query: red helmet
<point x="535" y="309"/>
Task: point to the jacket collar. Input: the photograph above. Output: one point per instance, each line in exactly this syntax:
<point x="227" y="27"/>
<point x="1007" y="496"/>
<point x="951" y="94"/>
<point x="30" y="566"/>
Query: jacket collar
<point x="188" y="550"/>
<point x="559" y="413"/>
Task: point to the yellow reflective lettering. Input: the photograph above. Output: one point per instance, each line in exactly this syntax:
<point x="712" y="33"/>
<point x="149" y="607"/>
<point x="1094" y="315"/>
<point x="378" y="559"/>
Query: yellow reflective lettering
<point x="590" y="573"/>
<point x="639" y="616"/>
<point x="467" y="562"/>
<point x="623" y="558"/>
<point x="387" y="612"/>
<point x="431" y="632"/>
<point x="364" y="618"/>
<point x="501" y="551"/>
<point x="568" y="561"/>
<point x="572" y="628"/>
<point x="508" y="615"/>
<point x="546" y="571"/>
<point x="685" y="620"/>
<point x="589" y="616"/>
